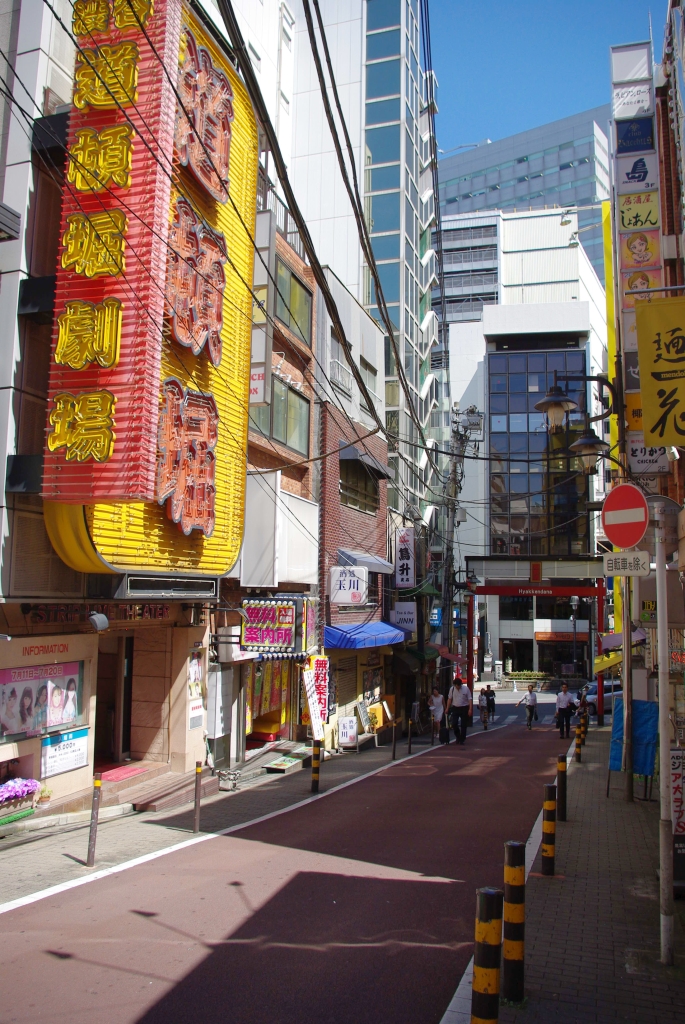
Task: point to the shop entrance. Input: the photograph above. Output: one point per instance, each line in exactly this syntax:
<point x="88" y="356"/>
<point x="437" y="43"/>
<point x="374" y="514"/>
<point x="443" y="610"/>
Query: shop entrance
<point x="517" y="655"/>
<point x="106" y="699"/>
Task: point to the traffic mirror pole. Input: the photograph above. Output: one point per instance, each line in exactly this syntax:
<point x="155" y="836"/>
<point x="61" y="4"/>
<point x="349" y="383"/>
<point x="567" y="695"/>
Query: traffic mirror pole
<point x="627" y="691"/>
<point x="665" y="828"/>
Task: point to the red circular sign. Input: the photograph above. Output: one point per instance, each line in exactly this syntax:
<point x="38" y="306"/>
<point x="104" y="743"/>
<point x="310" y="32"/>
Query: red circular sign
<point x="625" y="516"/>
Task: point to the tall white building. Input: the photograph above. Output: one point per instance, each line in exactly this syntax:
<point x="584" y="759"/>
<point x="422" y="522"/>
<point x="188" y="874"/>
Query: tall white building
<point x="523" y="496"/>
<point x="375" y="48"/>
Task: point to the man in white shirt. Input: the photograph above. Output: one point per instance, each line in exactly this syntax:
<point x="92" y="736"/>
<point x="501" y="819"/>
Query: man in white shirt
<point x="531" y="701"/>
<point x="460" y="702"/>
<point x="565" y="708"/>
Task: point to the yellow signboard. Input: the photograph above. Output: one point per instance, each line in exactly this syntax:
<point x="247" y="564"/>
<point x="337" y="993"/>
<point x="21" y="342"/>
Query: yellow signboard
<point x="205" y="344"/>
<point x="637" y="212"/>
<point x="634" y="410"/>
<point x="661" y="355"/>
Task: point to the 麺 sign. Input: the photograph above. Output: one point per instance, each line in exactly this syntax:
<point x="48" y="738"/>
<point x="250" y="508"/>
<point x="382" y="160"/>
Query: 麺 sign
<point x="405" y="558"/>
<point x="271" y="626"/>
<point x="661" y="352"/>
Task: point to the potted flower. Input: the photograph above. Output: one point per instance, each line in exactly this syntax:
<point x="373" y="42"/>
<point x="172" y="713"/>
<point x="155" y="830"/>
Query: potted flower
<point x="16" y="794"/>
<point x="44" y="798"/>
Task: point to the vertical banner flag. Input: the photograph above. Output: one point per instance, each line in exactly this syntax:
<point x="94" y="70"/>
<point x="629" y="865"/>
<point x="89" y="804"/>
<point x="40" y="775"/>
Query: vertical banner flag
<point x="405" y="558"/>
<point x="309" y="679"/>
<point x="661" y="354"/>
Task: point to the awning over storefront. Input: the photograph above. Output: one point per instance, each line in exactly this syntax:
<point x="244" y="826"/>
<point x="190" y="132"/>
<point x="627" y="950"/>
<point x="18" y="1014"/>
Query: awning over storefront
<point x="348" y="451"/>
<point x="428" y="654"/>
<point x="425" y="589"/>
<point x="607" y="661"/>
<point x="374" y="563"/>
<point x="366" y="634"/>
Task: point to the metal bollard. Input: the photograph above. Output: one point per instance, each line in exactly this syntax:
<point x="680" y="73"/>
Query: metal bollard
<point x="94" y="812"/>
<point x="394" y="740"/>
<point x="579" y="743"/>
<point x="487" y="956"/>
<point x="584" y="722"/>
<point x="561" y="787"/>
<point x="549" y="822"/>
<point x="409" y="741"/>
<point x="198" y="795"/>
<point x="316" y="764"/>
<point x="513" y="947"/>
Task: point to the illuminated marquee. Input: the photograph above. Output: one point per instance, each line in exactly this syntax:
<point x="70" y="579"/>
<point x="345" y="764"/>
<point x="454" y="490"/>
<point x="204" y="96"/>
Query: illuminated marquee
<point x="157" y="481"/>
<point x="109" y="301"/>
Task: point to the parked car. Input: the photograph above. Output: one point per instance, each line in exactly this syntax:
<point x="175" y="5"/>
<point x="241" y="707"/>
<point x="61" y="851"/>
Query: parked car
<point x="590" y="691"/>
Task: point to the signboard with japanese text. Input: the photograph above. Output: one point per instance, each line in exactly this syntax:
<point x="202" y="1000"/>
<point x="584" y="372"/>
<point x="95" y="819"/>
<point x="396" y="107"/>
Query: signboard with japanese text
<point x="35" y="698"/>
<point x="678" y="815"/>
<point x="632" y="99"/>
<point x="272" y="626"/>
<point x="635" y="135"/>
<point x="149" y="386"/>
<point x="315" y="720"/>
<point x="103" y="399"/>
<point x="63" y="752"/>
<point x="349" y="585"/>
<point x="639" y="212"/>
<point x="319" y="666"/>
<point x="405" y="615"/>
<point x="626" y="563"/>
<point x="645" y="460"/>
<point x="661" y="352"/>
<point x="347" y="731"/>
<point x="405" y="558"/>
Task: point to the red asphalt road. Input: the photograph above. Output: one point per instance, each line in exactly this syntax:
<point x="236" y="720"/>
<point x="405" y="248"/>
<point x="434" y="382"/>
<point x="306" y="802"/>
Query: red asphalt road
<point x="357" y="908"/>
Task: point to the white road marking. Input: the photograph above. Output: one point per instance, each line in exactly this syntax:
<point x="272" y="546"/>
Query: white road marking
<point x="624" y="515"/>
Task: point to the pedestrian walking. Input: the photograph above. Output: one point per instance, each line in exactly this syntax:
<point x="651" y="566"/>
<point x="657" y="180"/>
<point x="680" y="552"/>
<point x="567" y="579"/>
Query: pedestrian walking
<point x="436" y="702"/>
<point x="565" y="708"/>
<point x="530" y="699"/>
<point x="491" y="702"/>
<point x="483" y="707"/>
<point x="459" y="708"/>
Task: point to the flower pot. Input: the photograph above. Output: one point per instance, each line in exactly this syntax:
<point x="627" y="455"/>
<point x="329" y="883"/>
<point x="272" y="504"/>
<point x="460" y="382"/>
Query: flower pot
<point x="43" y="804"/>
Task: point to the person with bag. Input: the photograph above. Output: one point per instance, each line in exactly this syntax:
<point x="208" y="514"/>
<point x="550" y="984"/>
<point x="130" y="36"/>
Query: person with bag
<point x="490" y="694"/>
<point x="565" y="708"/>
<point x="436" y="702"/>
<point x="530" y="699"/>
<point x="483" y="707"/>
<point x="459" y="708"/>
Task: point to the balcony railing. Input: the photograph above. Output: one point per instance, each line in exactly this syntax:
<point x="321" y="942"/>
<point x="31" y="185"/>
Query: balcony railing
<point x="267" y="199"/>
<point x="341" y="376"/>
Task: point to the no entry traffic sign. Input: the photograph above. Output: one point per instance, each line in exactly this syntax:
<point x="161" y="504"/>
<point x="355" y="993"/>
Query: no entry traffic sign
<point x="625" y="516"/>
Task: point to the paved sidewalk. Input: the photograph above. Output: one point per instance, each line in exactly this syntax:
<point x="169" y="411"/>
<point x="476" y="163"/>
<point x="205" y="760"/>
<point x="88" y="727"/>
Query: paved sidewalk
<point x="35" y="861"/>
<point x="592" y="934"/>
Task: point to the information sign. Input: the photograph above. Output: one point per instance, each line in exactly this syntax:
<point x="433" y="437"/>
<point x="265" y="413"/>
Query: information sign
<point x="634" y="563"/>
<point x="63" y="752"/>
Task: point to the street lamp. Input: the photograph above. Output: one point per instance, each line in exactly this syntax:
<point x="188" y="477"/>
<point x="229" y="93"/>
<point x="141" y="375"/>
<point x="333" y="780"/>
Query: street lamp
<point x="555" y="405"/>
<point x="589" y="447"/>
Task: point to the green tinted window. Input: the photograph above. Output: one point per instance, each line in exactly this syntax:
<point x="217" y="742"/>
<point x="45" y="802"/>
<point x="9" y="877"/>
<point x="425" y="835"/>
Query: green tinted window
<point x="385" y="44"/>
<point x="294" y="304"/>
<point x="383" y="79"/>
<point x="382" y="145"/>
<point x="382" y="14"/>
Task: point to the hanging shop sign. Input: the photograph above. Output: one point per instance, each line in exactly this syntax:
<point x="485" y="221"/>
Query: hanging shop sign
<point x="661" y="353"/>
<point x="272" y="626"/>
<point x="347" y="731"/>
<point x="349" y="584"/>
<point x="405" y="558"/>
<point x="645" y="460"/>
<point x="36" y="698"/>
<point x="635" y="135"/>
<point x="405" y="615"/>
<point x="63" y="752"/>
<point x="149" y="384"/>
<point x="59" y="613"/>
<point x="632" y="99"/>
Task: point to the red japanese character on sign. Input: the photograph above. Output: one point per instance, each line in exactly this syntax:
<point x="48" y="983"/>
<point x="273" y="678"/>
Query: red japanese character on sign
<point x="207" y="97"/>
<point x="195" y="282"/>
<point x="188" y="431"/>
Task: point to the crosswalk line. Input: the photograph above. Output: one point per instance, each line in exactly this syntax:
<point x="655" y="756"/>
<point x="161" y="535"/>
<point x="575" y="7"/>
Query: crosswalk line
<point x="509" y="719"/>
<point x="548" y="719"/>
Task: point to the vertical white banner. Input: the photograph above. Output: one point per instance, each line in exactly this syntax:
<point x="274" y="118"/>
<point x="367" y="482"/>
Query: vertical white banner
<point x="309" y="677"/>
<point x="405" y="558"/>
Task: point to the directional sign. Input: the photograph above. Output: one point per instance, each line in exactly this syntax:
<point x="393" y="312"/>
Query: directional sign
<point x="625" y="516"/>
<point x="634" y="563"/>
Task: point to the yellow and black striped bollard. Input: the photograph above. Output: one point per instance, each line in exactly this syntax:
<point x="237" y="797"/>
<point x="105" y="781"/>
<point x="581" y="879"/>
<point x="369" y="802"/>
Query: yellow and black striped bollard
<point x="409" y="740"/>
<point x="514" y="921"/>
<point x="584" y="722"/>
<point x="549" y="824"/>
<point x="316" y="764"/>
<point x="579" y="742"/>
<point x="561" y="787"/>
<point x="487" y="957"/>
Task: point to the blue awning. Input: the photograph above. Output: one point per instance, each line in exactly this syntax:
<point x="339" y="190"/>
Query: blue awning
<point x="367" y="634"/>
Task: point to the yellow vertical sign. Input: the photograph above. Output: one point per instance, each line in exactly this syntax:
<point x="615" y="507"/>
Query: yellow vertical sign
<point x="661" y="355"/>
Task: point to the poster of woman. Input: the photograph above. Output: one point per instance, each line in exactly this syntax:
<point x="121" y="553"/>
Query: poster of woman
<point x="55" y="703"/>
<point x="40" y="708"/>
<point x="34" y="698"/>
<point x="640" y="249"/>
<point x="637" y="286"/>
<point x="70" y="710"/>
<point x="9" y="711"/>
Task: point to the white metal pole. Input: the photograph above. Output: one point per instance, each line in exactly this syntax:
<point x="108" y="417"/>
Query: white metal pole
<point x="665" y="828"/>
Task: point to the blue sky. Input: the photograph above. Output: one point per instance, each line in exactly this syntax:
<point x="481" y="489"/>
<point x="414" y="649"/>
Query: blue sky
<point x="504" y="68"/>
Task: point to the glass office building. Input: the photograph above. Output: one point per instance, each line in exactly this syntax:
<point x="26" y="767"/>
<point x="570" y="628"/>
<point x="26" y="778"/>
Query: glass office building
<point x="538" y="502"/>
<point x="564" y="163"/>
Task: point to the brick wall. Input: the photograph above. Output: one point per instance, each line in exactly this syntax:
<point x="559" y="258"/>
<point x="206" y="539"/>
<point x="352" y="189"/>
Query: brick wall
<point x="343" y="526"/>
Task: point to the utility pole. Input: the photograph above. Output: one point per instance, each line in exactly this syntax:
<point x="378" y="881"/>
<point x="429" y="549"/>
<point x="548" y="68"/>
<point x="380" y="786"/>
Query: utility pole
<point x="448" y="565"/>
<point x="665" y="826"/>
